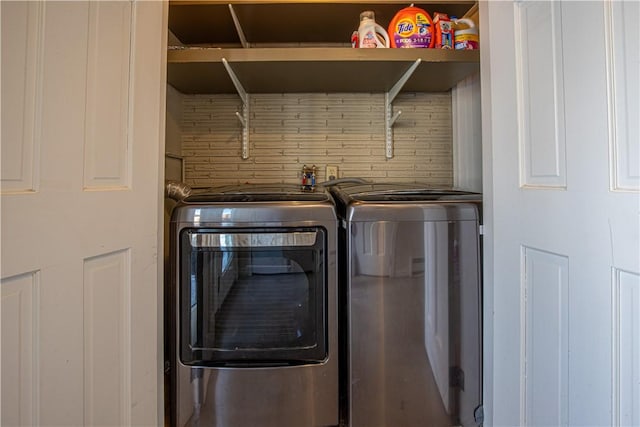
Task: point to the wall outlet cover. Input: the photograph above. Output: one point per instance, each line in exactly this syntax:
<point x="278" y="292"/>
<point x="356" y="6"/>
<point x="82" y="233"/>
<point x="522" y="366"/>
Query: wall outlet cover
<point x="332" y="172"/>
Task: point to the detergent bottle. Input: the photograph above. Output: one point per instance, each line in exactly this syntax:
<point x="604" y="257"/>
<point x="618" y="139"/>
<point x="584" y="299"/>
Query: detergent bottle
<point x="444" y="31"/>
<point x="411" y="27"/>
<point x="466" y="34"/>
<point x="370" y="34"/>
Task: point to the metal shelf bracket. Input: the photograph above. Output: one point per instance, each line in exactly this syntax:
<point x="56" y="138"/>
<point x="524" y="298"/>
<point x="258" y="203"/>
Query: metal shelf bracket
<point x="389" y="117"/>
<point x="236" y="22"/>
<point x="244" y="116"/>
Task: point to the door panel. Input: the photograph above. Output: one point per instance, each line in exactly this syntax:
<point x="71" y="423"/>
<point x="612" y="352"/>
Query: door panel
<point x="626" y="348"/>
<point x="106" y="289"/>
<point x="21" y="82"/>
<point x="562" y="211"/>
<point x="546" y="331"/>
<point x="82" y="108"/>
<point x="621" y="36"/>
<point x="107" y="160"/>
<point x="540" y="77"/>
<point x="19" y="322"/>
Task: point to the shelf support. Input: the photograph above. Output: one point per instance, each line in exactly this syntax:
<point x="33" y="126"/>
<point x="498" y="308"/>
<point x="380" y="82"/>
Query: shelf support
<point x="389" y="117"/>
<point x="244" y="116"/>
<point x="236" y="22"/>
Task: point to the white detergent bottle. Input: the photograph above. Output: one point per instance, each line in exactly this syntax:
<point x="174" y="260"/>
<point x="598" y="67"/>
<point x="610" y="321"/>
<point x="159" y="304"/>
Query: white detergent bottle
<point x="370" y="34"/>
<point x="465" y="35"/>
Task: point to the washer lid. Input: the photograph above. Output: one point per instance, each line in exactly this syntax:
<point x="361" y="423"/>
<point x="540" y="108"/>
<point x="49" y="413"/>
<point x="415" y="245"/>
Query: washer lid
<point x="258" y="193"/>
<point x="390" y="192"/>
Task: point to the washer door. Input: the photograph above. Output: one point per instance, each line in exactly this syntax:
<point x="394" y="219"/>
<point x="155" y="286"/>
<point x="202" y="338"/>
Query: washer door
<point x="253" y="296"/>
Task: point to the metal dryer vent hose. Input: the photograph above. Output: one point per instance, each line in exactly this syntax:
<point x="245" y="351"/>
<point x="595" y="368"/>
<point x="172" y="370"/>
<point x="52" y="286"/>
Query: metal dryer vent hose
<point x="176" y="190"/>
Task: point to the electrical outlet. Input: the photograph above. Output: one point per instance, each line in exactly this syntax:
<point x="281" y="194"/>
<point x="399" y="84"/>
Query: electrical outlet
<point x="332" y="172"/>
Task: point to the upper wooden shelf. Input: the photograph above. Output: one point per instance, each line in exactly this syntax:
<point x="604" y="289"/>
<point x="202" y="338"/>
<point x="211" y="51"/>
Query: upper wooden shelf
<point x="302" y="47"/>
<point x="291" y="70"/>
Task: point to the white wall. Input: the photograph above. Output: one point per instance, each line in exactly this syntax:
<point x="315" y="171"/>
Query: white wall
<point x="467" y="134"/>
<point x="173" y="170"/>
<point x="174" y="121"/>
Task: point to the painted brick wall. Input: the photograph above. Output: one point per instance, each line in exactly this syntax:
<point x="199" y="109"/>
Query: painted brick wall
<point x="290" y="130"/>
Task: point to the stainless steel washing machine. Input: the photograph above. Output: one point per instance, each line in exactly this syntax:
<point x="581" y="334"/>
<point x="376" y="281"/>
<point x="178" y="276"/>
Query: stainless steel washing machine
<point x="255" y="308"/>
<point x="413" y="305"/>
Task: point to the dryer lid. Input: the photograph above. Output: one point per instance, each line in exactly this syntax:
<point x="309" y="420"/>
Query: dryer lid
<point x="258" y="193"/>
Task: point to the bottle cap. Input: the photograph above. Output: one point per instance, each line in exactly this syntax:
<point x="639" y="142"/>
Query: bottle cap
<point x="367" y="14"/>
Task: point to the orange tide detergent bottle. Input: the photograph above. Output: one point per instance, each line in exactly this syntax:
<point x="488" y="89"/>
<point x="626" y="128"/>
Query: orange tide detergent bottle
<point x="411" y="27"/>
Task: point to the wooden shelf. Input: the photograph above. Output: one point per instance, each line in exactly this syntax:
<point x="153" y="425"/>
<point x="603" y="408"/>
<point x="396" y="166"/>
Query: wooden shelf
<point x="302" y="46"/>
<point x="292" y="70"/>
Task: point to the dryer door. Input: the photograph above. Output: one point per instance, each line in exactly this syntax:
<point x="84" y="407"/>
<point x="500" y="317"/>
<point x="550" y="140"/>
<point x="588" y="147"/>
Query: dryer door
<point x="253" y="296"/>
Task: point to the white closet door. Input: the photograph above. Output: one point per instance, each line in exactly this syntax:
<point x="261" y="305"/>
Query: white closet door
<point x="82" y="118"/>
<point x="560" y="123"/>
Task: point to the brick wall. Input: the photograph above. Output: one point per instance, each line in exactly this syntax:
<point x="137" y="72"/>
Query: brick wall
<point x="290" y="130"/>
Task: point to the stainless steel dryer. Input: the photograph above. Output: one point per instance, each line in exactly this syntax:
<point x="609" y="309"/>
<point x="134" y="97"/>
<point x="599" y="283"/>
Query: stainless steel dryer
<point x="413" y="296"/>
<point x="255" y="308"/>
